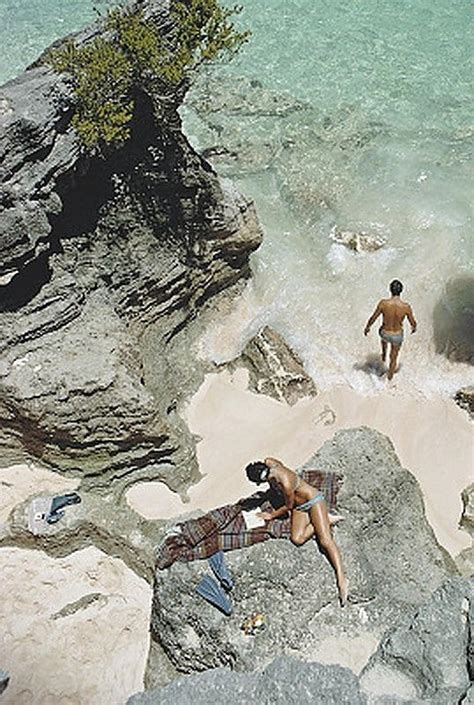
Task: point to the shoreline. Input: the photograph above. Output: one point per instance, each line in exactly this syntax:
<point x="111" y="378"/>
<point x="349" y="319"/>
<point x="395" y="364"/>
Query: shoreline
<point x="432" y="438"/>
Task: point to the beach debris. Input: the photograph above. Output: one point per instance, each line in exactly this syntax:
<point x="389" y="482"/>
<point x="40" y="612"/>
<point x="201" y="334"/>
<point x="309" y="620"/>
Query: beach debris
<point x="357" y="241"/>
<point x="327" y="416"/>
<point x="254" y="624"/>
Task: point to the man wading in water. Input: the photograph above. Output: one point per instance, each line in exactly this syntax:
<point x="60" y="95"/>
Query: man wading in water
<point x="393" y="312"/>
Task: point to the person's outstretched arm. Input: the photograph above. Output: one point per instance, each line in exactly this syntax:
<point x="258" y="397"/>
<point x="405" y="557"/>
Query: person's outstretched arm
<point x="411" y="318"/>
<point x="373" y="318"/>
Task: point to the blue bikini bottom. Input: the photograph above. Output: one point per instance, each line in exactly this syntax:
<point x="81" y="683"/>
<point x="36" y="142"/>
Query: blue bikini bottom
<point x="306" y="506"/>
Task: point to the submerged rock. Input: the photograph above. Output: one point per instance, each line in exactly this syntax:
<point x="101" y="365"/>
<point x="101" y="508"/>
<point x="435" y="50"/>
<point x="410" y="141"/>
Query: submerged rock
<point x="391" y="558"/>
<point x="357" y="241"/>
<point x="239" y="95"/>
<point x="274" y="368"/>
<point x="105" y="264"/>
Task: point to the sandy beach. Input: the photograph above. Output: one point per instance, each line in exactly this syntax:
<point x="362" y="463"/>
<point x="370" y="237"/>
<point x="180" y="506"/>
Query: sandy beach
<point x="433" y="439"/>
<point x="67" y="620"/>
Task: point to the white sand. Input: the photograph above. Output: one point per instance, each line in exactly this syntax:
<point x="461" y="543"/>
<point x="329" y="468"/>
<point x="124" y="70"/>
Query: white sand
<point x="433" y="439"/>
<point x="95" y="656"/>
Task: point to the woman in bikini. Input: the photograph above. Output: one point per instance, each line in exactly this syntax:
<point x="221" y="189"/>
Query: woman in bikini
<point x="308" y="512"/>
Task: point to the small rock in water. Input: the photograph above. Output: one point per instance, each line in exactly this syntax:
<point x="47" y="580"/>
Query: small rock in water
<point x="357" y="241"/>
<point x="464" y="397"/>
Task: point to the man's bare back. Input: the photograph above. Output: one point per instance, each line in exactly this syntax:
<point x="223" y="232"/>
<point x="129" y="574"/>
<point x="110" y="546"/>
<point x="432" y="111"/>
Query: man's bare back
<point x="393" y="312"/>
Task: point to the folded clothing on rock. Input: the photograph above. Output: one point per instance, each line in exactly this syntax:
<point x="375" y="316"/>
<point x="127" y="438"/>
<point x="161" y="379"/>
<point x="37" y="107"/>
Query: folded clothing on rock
<point x="224" y="529"/>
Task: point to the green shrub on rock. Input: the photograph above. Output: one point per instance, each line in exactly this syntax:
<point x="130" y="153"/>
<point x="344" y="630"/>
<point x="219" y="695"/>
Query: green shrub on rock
<point x="133" y="54"/>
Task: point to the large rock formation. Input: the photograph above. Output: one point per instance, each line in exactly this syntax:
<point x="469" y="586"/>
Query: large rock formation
<point x="431" y="658"/>
<point x="391" y="556"/>
<point x="105" y="264"/>
<point x="427" y="658"/>
<point x="286" y="681"/>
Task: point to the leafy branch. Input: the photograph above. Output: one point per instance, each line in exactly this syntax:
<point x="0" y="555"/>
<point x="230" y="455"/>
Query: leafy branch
<point x="133" y="54"/>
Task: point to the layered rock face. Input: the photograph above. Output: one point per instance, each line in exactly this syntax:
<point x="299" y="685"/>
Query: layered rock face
<point x="391" y="558"/>
<point x="105" y="263"/>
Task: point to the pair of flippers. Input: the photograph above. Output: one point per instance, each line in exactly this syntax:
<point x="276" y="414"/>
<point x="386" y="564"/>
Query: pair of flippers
<point x="55" y="512"/>
<point x="216" y="592"/>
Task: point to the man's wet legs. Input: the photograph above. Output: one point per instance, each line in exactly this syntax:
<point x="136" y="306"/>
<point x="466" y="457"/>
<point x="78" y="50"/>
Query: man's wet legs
<point x="394" y="350"/>
<point x="384" y="351"/>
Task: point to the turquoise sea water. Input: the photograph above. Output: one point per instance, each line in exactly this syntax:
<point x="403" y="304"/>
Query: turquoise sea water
<point x="385" y="144"/>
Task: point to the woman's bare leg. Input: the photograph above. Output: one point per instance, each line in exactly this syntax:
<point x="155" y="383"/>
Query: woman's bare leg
<point x="301" y="527"/>
<point x="322" y="530"/>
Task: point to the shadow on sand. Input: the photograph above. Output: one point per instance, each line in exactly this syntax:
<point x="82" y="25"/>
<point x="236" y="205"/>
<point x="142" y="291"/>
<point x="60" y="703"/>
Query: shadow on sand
<point x="372" y="365"/>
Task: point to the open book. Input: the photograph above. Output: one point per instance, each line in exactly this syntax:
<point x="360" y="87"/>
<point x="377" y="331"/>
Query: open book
<point x="252" y="520"/>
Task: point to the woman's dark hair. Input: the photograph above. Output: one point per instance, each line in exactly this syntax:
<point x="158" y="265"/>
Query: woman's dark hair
<point x="257" y="472"/>
<point x="396" y="287"/>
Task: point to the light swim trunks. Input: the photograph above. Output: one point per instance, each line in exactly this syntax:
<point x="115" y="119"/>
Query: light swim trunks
<point x="394" y="339"/>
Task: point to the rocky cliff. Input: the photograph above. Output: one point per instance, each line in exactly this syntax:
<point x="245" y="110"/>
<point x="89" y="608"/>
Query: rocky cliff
<point x="105" y="265"/>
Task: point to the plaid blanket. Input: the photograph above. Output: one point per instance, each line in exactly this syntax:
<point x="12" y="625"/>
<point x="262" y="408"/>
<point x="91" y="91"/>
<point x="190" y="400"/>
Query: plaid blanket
<point x="224" y="529"/>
